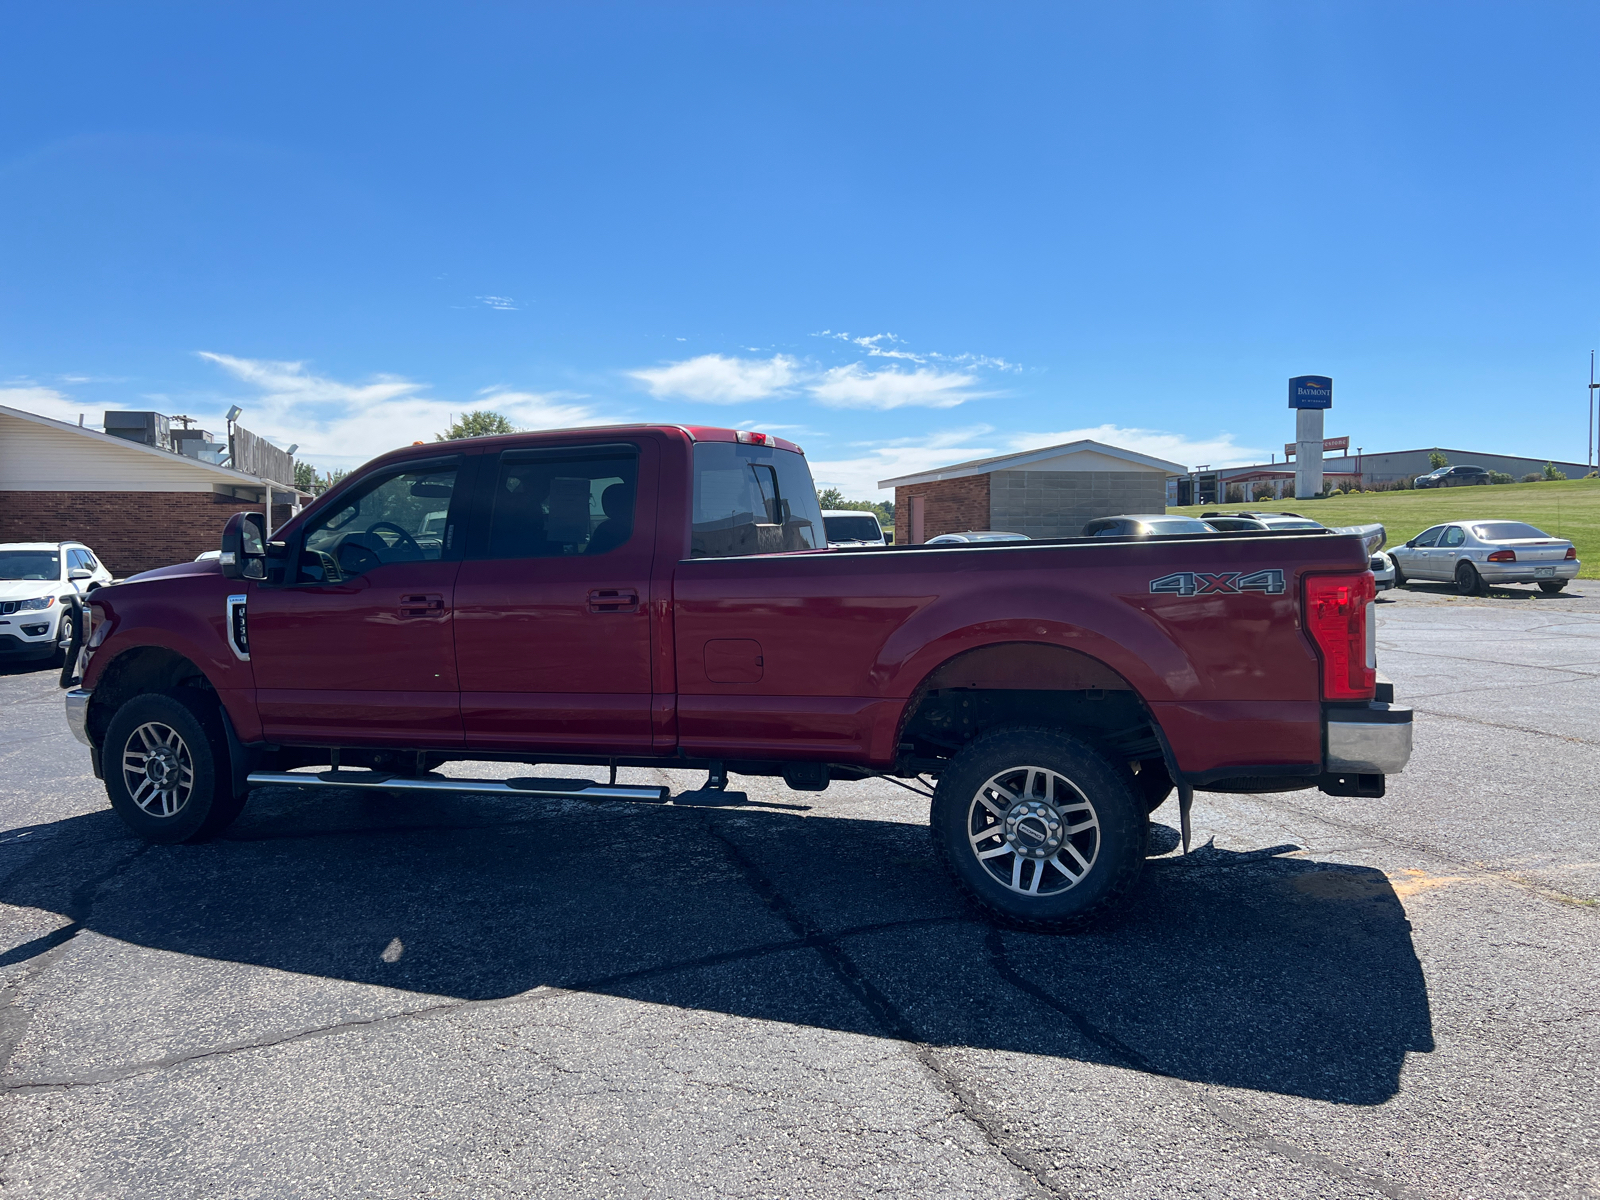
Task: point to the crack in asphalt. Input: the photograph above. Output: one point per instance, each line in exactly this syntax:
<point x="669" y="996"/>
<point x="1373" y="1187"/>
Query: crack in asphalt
<point x="1560" y="737"/>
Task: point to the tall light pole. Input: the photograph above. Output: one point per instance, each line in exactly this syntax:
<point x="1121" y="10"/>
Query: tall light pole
<point x="1589" y="447"/>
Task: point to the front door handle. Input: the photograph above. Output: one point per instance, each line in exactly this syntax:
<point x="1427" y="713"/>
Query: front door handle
<point x="430" y="605"/>
<point x="613" y="600"/>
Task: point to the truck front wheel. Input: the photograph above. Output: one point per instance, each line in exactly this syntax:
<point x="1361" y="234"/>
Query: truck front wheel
<point x="166" y="768"/>
<point x="1040" y="829"/>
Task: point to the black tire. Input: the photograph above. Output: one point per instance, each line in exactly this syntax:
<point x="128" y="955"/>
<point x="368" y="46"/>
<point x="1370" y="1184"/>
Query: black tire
<point x="1074" y="796"/>
<point x="1399" y="573"/>
<point x="190" y="797"/>
<point x="1469" y="582"/>
<point x="1550" y="588"/>
<point x="58" y="656"/>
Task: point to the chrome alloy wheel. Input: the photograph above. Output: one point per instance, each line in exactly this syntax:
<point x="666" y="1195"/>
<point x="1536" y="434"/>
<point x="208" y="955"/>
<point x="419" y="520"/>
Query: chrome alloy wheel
<point x="1033" y="830"/>
<point x="158" y="769"/>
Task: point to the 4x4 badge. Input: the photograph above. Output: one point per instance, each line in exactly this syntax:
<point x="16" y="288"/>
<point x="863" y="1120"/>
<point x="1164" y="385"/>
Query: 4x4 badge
<point x="1212" y="583"/>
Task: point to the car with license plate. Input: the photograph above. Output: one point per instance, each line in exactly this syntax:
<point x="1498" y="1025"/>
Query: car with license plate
<point x="662" y="597"/>
<point x="38" y="581"/>
<point x="1479" y="554"/>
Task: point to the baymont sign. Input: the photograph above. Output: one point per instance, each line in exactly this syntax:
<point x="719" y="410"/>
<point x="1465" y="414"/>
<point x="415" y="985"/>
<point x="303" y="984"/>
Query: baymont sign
<point x="1311" y="391"/>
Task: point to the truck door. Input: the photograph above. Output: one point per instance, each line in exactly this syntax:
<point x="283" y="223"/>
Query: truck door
<point x="552" y="604"/>
<point x="355" y="647"/>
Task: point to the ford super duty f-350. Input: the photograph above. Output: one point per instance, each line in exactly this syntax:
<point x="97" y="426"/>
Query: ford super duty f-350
<point x="663" y="596"/>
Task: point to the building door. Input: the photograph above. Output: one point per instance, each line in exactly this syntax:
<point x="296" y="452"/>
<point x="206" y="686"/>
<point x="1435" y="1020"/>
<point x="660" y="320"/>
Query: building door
<point x="553" y="603"/>
<point x="357" y="647"/>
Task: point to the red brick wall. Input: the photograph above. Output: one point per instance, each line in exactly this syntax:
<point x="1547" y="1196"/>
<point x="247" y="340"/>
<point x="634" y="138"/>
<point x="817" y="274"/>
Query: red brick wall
<point x="128" y="531"/>
<point x="951" y="506"/>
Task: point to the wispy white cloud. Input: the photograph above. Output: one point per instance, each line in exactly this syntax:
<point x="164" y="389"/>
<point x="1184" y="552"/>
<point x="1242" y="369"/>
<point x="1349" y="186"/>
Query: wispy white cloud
<point x="341" y="424"/>
<point x="889" y="345"/>
<point x="857" y="476"/>
<point x="48" y="402"/>
<point x="854" y="386"/>
<point x="1219" y="450"/>
<point x="719" y="379"/>
<point x="500" y="303"/>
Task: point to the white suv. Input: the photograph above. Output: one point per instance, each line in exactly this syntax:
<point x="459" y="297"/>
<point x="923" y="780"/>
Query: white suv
<point x="37" y="580"/>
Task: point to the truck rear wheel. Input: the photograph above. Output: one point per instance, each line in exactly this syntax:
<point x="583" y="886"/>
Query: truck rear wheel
<point x="166" y="768"/>
<point x="1040" y="829"/>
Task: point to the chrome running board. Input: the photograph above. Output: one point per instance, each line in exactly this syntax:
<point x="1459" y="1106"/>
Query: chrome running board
<point x="379" y="781"/>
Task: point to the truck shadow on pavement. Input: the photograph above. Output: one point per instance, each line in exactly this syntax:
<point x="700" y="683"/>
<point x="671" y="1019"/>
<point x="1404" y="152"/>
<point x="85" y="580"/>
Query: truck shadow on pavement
<point x="1243" y="970"/>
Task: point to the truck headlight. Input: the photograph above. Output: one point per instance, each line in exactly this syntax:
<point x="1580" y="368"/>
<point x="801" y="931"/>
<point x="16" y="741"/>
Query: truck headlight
<point x="36" y="603"/>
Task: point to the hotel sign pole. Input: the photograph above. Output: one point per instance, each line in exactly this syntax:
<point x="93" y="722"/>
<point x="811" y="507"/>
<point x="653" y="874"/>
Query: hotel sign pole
<point x="1310" y="396"/>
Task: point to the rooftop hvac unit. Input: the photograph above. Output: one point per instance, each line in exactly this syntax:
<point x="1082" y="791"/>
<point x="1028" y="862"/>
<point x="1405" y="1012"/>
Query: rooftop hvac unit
<point x="146" y="428"/>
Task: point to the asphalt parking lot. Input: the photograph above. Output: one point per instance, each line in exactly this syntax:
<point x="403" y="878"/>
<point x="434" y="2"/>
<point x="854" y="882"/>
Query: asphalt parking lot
<point x="476" y="997"/>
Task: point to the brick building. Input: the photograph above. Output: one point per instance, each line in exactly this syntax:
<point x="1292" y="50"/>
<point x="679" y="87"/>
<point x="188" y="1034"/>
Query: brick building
<point x="136" y="506"/>
<point x="1048" y="493"/>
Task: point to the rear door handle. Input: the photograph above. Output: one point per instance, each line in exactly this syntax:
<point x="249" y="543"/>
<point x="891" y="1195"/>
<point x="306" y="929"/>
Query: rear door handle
<point x="431" y="605"/>
<point x="613" y="600"/>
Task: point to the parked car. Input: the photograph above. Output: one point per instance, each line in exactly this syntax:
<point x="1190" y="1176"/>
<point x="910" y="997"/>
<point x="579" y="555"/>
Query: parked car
<point x="1234" y="523"/>
<point x="1462" y="476"/>
<point x="852" y="528"/>
<point x="1144" y="525"/>
<point x="1057" y="693"/>
<point x="1272" y="520"/>
<point x="976" y="535"/>
<point x="1383" y="570"/>
<point x="37" y="583"/>
<point x="1477" y="554"/>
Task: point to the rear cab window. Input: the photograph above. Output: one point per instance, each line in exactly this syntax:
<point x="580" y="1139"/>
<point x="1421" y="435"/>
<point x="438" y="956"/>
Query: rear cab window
<point x="560" y="502"/>
<point x="1507" y="531"/>
<point x="752" y="500"/>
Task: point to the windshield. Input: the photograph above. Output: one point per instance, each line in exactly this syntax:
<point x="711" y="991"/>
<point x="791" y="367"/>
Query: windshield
<point x="30" y="564"/>
<point x="1506" y="531"/>
<point x="852" y="529"/>
<point x="1177" y="525"/>
<point x="752" y="500"/>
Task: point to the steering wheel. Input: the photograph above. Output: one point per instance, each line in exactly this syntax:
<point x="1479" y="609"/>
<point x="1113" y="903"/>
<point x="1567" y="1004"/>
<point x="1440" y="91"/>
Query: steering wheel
<point x="403" y="539"/>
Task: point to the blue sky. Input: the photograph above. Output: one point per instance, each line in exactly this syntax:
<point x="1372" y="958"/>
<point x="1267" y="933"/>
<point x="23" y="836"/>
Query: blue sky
<point x="903" y="234"/>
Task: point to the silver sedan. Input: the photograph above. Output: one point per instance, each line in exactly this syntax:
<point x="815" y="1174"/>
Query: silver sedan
<point x="1476" y="554"/>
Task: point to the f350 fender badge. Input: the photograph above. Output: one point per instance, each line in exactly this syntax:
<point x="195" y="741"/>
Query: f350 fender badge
<point x="1218" y="583"/>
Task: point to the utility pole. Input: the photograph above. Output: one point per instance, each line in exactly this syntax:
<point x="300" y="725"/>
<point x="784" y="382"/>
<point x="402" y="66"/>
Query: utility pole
<point x="1589" y="447"/>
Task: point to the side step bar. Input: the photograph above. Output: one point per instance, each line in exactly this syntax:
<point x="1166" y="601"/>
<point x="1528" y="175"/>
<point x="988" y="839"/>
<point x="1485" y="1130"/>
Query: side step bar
<point x="378" y="781"/>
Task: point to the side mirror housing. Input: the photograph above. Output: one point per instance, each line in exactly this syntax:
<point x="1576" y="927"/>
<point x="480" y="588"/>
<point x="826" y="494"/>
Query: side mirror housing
<point x="78" y="573"/>
<point x="244" y="546"/>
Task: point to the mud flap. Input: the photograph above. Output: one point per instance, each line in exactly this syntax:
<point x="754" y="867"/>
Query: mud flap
<point x="1185" y="801"/>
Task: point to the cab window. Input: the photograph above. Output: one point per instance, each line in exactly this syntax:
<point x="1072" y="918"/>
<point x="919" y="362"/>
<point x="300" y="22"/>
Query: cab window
<point x="394" y="519"/>
<point x="752" y="500"/>
<point x="561" y="502"/>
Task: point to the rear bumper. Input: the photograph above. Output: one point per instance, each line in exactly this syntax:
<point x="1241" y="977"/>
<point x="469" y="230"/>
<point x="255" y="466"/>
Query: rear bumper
<point x="1528" y="572"/>
<point x="78" y="715"/>
<point x="1369" y="739"/>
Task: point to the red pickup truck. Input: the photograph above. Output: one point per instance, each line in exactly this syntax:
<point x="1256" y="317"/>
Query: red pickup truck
<point x="663" y="596"/>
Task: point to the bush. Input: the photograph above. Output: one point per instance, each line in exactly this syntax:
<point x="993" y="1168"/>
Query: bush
<point x="1261" y="490"/>
<point x="1533" y="477"/>
<point x="1500" y="477"/>
<point x="1550" y="472"/>
<point x="1235" y="493"/>
<point x="1437" y="460"/>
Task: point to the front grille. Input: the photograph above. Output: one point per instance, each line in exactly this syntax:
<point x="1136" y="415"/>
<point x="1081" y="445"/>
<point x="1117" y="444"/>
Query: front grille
<point x="8" y="607"/>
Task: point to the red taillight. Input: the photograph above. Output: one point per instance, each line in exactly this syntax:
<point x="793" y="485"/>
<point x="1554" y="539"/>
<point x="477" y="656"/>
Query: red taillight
<point x="1502" y="556"/>
<point x="752" y="439"/>
<point x="1336" y="618"/>
<point x="1572" y="552"/>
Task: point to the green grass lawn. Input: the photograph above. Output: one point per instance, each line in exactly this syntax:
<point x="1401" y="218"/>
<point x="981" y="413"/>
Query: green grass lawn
<point x="1569" y="509"/>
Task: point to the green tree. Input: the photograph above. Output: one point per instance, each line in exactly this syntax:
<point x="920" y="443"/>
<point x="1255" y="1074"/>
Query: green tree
<point x="830" y="498"/>
<point x="1551" y="472"/>
<point x="305" y="477"/>
<point x="480" y="422"/>
<point x="1437" y="460"/>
